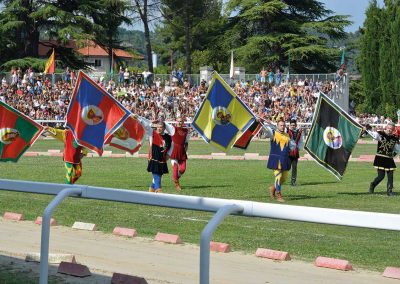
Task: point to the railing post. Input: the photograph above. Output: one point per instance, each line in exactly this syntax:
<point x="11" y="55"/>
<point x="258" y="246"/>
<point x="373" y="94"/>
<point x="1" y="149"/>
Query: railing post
<point x="44" y="242"/>
<point x="205" y="239"/>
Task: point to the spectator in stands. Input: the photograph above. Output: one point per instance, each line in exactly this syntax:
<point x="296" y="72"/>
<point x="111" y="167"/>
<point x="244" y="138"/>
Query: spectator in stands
<point x="126" y="77"/>
<point x="120" y="76"/>
<point x="263" y="75"/>
<point x="179" y="76"/>
<point x="67" y="75"/>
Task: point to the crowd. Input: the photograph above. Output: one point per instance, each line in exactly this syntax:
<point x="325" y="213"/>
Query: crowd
<point x="35" y="96"/>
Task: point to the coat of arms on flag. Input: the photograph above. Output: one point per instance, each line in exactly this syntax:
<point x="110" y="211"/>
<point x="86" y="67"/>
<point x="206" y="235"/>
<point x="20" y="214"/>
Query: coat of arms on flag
<point x="222" y="117"/>
<point x="17" y="133"/>
<point x="332" y="137"/>
<point x="93" y="114"/>
<point x="128" y="137"/>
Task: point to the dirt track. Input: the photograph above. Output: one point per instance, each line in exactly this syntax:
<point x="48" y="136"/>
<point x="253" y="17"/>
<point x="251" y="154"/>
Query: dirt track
<point x="163" y="263"/>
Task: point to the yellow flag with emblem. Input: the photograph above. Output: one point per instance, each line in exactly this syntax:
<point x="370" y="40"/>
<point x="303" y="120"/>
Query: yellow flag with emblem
<point x="222" y="117"/>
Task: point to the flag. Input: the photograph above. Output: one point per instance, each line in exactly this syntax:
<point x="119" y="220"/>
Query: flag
<point x="244" y="140"/>
<point x="112" y="64"/>
<point x="343" y="61"/>
<point x="93" y="114"/>
<point x="129" y="137"/>
<point x="17" y="133"/>
<point x="222" y="117"/>
<point x="232" y="69"/>
<point x="332" y="137"/>
<point x="50" y="64"/>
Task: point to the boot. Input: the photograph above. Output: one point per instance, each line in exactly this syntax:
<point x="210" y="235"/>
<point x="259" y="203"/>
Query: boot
<point x="158" y="190"/>
<point x="272" y="191"/>
<point x="177" y="185"/>
<point x="371" y="188"/>
<point x="293" y="182"/>
<point x="280" y="199"/>
<point x="151" y="189"/>
<point x="390" y="191"/>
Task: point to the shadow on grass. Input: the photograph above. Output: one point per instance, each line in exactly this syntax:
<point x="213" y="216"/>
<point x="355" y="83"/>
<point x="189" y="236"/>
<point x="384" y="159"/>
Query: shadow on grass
<point x="364" y="193"/>
<point x="203" y="186"/>
<point x="315" y="183"/>
<point x="304" y="196"/>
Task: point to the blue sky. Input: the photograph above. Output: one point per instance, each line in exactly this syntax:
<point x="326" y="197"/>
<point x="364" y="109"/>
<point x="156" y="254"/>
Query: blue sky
<point x="354" y="8"/>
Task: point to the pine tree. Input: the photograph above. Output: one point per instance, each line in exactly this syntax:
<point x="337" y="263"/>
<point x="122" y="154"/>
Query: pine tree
<point x="267" y="32"/>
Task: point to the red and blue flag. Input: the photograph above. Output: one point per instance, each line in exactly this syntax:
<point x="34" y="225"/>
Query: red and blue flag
<point x="93" y="114"/>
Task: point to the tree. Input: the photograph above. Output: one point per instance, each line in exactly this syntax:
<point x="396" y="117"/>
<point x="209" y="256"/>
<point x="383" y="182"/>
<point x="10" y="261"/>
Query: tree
<point x="25" y="20"/>
<point x="190" y="25"/>
<point x="267" y="32"/>
<point x="147" y="11"/>
<point x="395" y="49"/>
<point x="386" y="77"/>
<point x="107" y="21"/>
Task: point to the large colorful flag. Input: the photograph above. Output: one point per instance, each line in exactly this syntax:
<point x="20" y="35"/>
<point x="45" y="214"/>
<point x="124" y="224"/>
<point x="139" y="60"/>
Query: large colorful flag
<point x="222" y="117"/>
<point x="17" y="133"/>
<point x="129" y="137"/>
<point x="93" y="114"/>
<point x="332" y="137"/>
<point x="244" y="141"/>
<point x="50" y="64"/>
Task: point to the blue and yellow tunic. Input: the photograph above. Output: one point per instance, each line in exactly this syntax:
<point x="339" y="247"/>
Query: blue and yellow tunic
<point x="279" y="154"/>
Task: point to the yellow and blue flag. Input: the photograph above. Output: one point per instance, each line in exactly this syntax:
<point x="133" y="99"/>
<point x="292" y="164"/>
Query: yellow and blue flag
<point x="222" y="117"/>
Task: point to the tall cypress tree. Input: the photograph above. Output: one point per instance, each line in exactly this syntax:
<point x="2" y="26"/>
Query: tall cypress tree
<point x="386" y="56"/>
<point x="395" y="49"/>
<point x="369" y="57"/>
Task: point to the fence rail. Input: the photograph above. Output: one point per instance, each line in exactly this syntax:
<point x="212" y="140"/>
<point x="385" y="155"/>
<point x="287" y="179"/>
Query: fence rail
<point x="223" y="207"/>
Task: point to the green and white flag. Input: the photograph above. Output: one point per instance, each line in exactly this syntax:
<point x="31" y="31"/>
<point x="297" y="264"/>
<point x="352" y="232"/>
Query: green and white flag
<point x="332" y="137"/>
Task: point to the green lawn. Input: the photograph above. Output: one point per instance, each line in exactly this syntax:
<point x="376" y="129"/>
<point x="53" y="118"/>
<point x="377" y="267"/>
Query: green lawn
<point x="245" y="180"/>
<point x="198" y="147"/>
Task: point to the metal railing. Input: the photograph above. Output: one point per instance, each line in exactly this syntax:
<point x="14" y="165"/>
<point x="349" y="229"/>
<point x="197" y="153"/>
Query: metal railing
<point x="223" y="207"/>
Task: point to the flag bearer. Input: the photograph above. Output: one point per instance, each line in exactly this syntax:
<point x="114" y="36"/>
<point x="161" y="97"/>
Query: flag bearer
<point x="73" y="153"/>
<point x="388" y="147"/>
<point x="279" y="160"/>
<point x="160" y="143"/>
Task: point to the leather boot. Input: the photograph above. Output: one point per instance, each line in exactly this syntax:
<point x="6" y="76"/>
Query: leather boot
<point x="371" y="187"/>
<point x="177" y="185"/>
<point x="390" y="191"/>
<point x="280" y="199"/>
<point x="272" y="190"/>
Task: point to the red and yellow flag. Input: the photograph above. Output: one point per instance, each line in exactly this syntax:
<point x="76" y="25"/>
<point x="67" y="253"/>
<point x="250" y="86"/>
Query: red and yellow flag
<point x="17" y="133"/>
<point x="50" y="64"/>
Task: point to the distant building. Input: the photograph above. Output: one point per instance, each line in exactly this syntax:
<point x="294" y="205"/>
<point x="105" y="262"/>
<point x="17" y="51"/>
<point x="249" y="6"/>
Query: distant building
<point x="94" y="55"/>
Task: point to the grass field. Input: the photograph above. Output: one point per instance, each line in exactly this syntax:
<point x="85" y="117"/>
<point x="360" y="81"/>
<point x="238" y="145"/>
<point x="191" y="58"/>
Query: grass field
<point x="246" y="180"/>
<point x="198" y="147"/>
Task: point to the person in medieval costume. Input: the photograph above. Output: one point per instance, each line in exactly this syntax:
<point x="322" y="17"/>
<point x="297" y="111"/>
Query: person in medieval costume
<point x="177" y="153"/>
<point x="388" y="147"/>
<point x="295" y="135"/>
<point x="160" y="143"/>
<point x="279" y="160"/>
<point x="73" y="153"/>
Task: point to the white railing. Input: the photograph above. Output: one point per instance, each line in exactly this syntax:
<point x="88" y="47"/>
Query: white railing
<point x="223" y="207"/>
